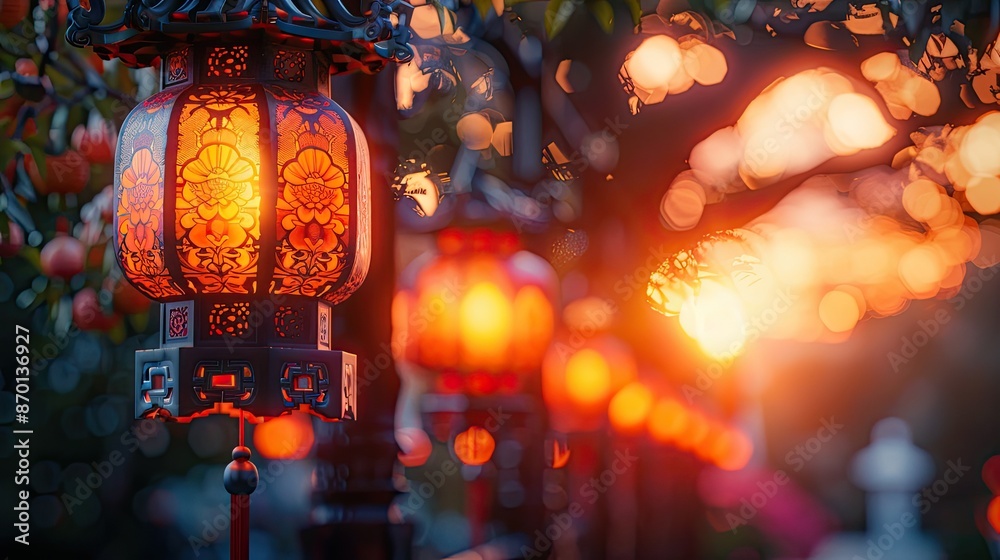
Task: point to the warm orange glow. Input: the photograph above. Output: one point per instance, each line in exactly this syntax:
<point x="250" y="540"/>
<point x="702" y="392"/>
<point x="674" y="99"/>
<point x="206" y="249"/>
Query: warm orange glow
<point x="560" y="455"/>
<point x="924" y="199"/>
<point x="839" y="311"/>
<point x="736" y="453"/>
<point x="485" y="320"/>
<point x="921" y="270"/>
<point x="415" y="446"/>
<point x="705" y="63"/>
<point x="655" y="62"/>
<point x="993" y="513"/>
<point x="289" y="436"/>
<point x="667" y="421"/>
<point x="313" y="182"/>
<point x="588" y="377"/>
<point x="630" y="407"/>
<point x="716" y="319"/>
<point x="578" y="382"/>
<point x="476" y="309"/>
<point x="856" y="123"/>
<point x="533" y="320"/>
<point x="218" y="208"/>
<point x="904" y="90"/>
<point x="474" y="446"/>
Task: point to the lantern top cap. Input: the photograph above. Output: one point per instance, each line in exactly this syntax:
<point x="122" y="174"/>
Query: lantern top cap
<point x="149" y="28"/>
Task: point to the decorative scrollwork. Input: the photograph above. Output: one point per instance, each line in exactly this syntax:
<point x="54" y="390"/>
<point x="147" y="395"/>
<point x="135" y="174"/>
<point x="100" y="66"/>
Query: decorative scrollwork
<point x="147" y="28"/>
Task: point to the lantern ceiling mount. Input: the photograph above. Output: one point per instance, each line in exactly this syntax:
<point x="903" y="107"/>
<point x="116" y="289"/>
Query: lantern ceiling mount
<point x="149" y="28"/>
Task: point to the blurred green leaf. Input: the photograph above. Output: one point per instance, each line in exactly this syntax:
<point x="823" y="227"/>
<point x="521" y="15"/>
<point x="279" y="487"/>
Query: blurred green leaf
<point x="603" y="13"/>
<point x="635" y="10"/>
<point x="557" y="13"/>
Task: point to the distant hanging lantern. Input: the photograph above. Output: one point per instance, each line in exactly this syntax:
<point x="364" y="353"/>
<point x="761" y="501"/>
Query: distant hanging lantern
<point x="242" y="202"/>
<point x="480" y="312"/>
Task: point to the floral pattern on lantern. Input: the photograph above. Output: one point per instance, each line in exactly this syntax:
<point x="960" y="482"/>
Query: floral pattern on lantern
<point x="257" y="188"/>
<point x="139" y="182"/>
<point x="218" y="206"/>
<point x="313" y="207"/>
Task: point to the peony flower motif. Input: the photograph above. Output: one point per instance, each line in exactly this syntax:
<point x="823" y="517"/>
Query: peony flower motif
<point x="300" y="101"/>
<point x="140" y="185"/>
<point x="218" y="187"/>
<point x="220" y="99"/>
<point x="312" y="196"/>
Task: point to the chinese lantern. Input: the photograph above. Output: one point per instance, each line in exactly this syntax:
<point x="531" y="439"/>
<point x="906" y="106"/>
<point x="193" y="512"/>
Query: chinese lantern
<point x="242" y="203"/>
<point x="581" y="374"/>
<point x="476" y="318"/>
<point x="480" y="312"/>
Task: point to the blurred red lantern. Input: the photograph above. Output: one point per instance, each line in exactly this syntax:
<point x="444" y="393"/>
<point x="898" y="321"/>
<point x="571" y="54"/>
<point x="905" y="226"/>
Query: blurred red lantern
<point x="63" y="257"/>
<point x="579" y="377"/>
<point x="474" y="446"/>
<point x="480" y="308"/>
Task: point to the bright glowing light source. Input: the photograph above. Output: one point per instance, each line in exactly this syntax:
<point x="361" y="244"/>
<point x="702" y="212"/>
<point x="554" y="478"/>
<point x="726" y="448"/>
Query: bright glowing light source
<point x="716" y="319"/>
<point x="654" y="62"/>
<point x="485" y="318"/>
<point x="983" y="193"/>
<point x="629" y="407"/>
<point x="474" y="446"/>
<point x="856" y="123"/>
<point x="921" y="270"/>
<point x="922" y="200"/>
<point x="839" y="311"/>
<point x="705" y="63"/>
<point x="588" y="377"/>
<point x="904" y="90"/>
<point x="289" y="436"/>
<point x="977" y="150"/>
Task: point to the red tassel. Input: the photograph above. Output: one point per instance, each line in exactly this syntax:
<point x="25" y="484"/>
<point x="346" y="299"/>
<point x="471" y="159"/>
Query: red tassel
<point x="239" y="527"/>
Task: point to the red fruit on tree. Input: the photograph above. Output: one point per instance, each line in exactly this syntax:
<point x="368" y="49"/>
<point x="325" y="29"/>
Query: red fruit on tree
<point x="63" y="257"/>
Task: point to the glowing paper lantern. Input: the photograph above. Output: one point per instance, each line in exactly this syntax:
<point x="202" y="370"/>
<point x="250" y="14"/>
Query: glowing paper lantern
<point x="581" y="375"/>
<point x="242" y="204"/>
<point x="480" y="309"/>
<point x="474" y="446"/>
<point x="630" y="407"/>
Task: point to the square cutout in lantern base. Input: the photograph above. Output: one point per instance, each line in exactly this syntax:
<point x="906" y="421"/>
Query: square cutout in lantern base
<point x="185" y="383"/>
